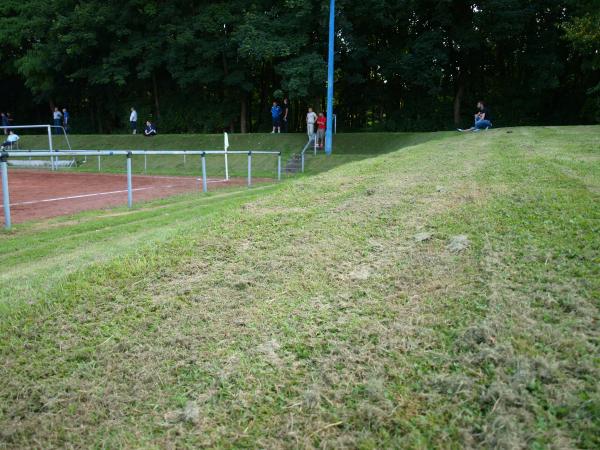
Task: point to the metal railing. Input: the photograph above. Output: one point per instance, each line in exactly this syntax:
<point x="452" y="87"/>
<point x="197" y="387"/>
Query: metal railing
<point x="311" y="140"/>
<point x="5" y="156"/>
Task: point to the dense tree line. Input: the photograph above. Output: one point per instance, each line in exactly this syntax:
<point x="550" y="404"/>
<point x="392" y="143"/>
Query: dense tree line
<point x="206" y="66"/>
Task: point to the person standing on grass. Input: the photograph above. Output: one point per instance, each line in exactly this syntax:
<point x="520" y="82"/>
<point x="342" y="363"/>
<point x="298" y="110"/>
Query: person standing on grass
<point x="133" y="121"/>
<point x="321" y="127"/>
<point x="286" y="114"/>
<point x="311" y="119"/>
<point x="65" y="119"/>
<point x="483" y="118"/>
<point x="150" y="129"/>
<point x="4" y="122"/>
<point x="57" y="116"/>
<point x="276" y="116"/>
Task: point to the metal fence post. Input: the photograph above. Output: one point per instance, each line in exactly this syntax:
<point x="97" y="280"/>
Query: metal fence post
<point x="249" y="169"/>
<point x="145" y="163"/>
<point x="279" y="167"/>
<point x="204" y="180"/>
<point x="51" y="147"/>
<point x="5" y="196"/>
<point x="99" y="165"/>
<point x="129" y="183"/>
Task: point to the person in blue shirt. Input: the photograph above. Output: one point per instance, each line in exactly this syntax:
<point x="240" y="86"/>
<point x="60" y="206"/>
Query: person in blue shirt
<point x="276" y="116"/>
<point x="65" y="119"/>
<point x="150" y="129"/>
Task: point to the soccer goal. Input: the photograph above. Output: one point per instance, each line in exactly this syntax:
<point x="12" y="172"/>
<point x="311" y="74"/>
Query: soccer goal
<point x="54" y="161"/>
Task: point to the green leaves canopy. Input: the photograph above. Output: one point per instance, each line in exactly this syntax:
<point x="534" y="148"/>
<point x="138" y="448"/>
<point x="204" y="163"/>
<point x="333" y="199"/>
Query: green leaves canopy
<point x="205" y="66"/>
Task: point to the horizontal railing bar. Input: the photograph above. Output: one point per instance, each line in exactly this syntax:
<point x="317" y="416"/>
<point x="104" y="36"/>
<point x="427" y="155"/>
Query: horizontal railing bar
<point x="8" y="127"/>
<point x="45" y="153"/>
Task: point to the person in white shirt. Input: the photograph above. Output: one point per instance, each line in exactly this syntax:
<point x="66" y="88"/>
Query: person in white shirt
<point x="57" y="116"/>
<point x="133" y="121"/>
<point x="10" y="140"/>
<point x="311" y="119"/>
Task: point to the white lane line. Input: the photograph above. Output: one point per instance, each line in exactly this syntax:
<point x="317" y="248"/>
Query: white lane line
<point x="73" y="197"/>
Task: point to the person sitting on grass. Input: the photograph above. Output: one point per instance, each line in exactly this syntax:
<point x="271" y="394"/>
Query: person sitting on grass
<point x="483" y="118"/>
<point x="10" y="140"/>
<point x="150" y="129"/>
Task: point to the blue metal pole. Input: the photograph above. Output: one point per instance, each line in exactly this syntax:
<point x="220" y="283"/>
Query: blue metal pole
<point x="129" y="183"/>
<point x="5" y="196"/>
<point x="330" y="69"/>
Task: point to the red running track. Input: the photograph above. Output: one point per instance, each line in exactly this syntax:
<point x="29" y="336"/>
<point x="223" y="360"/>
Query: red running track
<point x="39" y="195"/>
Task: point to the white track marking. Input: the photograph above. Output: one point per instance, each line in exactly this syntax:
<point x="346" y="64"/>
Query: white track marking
<point x="96" y="194"/>
<point x="72" y="197"/>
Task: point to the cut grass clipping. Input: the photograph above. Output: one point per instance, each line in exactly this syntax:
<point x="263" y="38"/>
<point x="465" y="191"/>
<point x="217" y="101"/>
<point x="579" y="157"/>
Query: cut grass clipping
<point x="442" y="295"/>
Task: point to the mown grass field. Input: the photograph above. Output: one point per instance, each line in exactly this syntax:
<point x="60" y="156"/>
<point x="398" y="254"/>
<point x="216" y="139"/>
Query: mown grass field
<point x="444" y="294"/>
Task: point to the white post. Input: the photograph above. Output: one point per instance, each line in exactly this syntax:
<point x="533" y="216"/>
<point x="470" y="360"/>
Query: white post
<point x="279" y="167"/>
<point x="249" y="169"/>
<point x="5" y="196"/>
<point x="226" y="147"/>
<point x="51" y="149"/>
<point x="129" y="182"/>
<point x="204" y="180"/>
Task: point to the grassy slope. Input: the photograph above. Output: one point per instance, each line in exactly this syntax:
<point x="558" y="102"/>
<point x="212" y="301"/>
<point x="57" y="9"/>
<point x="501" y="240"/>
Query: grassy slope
<point x="307" y="314"/>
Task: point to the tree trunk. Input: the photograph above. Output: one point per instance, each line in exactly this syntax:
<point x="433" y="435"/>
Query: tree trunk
<point x="262" y="100"/>
<point x="92" y="115"/>
<point x="155" y="90"/>
<point x="243" y="115"/>
<point x="458" y="100"/>
<point x="99" y="118"/>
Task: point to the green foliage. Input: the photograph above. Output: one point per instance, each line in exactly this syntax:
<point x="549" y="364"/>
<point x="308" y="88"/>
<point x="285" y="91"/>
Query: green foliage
<point x="584" y="34"/>
<point x="205" y="66"/>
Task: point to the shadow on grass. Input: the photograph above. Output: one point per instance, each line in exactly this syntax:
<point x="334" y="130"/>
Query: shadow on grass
<point x="353" y="147"/>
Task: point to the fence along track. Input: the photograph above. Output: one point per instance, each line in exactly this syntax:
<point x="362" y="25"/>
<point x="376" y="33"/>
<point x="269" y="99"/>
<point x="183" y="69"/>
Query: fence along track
<point x="5" y="156"/>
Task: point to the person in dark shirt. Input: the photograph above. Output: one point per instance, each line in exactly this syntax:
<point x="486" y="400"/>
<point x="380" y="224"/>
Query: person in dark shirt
<point x="5" y="122"/>
<point x="150" y="129"/>
<point x="66" y="121"/>
<point x="483" y="118"/>
<point x="286" y="114"/>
